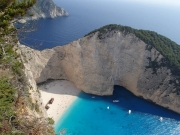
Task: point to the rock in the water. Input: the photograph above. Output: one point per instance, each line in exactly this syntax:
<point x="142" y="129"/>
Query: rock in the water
<point x="21" y="21"/>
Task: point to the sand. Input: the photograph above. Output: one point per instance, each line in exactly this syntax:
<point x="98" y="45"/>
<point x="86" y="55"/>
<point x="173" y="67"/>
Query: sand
<point x="63" y="92"/>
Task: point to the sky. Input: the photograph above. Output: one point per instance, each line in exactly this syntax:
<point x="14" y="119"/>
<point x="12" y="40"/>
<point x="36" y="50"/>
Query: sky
<point x="158" y="2"/>
<point x="155" y="2"/>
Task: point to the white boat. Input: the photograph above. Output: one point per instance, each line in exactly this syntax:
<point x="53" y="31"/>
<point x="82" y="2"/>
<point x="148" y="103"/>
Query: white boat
<point x="115" y="101"/>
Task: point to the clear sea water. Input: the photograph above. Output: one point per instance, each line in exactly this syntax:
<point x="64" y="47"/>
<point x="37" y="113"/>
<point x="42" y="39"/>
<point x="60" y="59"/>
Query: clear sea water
<point x="90" y="116"/>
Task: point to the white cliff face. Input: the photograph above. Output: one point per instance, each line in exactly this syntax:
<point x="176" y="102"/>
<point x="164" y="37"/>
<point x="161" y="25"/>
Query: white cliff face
<point x="95" y="66"/>
<point x="45" y="9"/>
<point x="33" y="89"/>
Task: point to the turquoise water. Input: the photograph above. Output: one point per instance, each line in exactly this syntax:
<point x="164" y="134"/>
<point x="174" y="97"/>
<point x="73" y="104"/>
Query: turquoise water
<point x="90" y="116"/>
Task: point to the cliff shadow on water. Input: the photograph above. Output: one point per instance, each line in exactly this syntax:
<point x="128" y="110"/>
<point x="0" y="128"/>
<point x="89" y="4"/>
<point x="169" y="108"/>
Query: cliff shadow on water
<point x="127" y="101"/>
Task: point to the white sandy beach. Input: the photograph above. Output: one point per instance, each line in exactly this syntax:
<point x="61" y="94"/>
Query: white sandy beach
<point x="63" y="92"/>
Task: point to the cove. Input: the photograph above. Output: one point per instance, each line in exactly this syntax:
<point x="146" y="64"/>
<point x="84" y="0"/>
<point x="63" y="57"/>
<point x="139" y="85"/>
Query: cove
<point x="95" y="115"/>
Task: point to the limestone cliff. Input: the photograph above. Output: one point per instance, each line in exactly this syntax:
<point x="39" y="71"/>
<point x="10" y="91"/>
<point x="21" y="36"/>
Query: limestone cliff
<point x="96" y="64"/>
<point x="45" y="9"/>
<point x="35" y="96"/>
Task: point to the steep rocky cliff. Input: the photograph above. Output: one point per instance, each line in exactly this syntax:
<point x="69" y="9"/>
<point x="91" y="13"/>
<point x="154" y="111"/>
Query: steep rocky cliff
<point x="97" y="62"/>
<point x="45" y="9"/>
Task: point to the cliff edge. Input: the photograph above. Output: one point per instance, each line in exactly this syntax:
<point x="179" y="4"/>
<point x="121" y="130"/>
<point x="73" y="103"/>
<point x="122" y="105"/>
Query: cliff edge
<point x="111" y="56"/>
<point x="45" y="9"/>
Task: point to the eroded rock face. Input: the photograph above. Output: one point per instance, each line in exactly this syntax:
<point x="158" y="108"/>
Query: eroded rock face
<point x="95" y="65"/>
<point x="35" y="96"/>
<point x="45" y="9"/>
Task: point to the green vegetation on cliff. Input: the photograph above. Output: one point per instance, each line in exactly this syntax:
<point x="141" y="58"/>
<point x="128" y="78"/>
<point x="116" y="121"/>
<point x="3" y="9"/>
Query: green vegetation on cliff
<point x="14" y="94"/>
<point x="13" y="8"/>
<point x="169" y="49"/>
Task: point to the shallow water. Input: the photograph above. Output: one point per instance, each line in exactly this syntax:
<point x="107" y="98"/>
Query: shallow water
<point x="89" y="115"/>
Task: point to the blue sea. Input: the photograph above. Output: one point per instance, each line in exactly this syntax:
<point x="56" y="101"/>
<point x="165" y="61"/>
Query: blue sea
<point x="94" y="115"/>
<point x="87" y="15"/>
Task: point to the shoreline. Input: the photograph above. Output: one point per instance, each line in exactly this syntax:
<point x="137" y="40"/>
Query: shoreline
<point x="64" y="94"/>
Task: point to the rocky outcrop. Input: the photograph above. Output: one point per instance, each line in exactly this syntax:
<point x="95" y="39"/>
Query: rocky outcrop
<point x="35" y="96"/>
<point x="95" y="65"/>
<point x="45" y="9"/>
